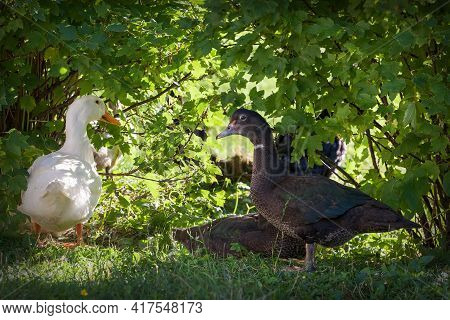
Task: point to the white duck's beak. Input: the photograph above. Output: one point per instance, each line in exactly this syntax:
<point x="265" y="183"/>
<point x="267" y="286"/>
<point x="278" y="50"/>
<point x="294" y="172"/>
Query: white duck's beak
<point x="110" y="119"/>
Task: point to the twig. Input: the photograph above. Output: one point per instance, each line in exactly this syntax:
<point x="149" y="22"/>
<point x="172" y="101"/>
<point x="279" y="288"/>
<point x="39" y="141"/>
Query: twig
<point x="333" y="165"/>
<point x="159" y="94"/>
<point x="181" y="150"/>
<point x="386" y="134"/>
<point x="436" y="208"/>
<point x="310" y="7"/>
<point x="377" y="144"/>
<point x="131" y="174"/>
<point x="407" y="64"/>
<point x="372" y="152"/>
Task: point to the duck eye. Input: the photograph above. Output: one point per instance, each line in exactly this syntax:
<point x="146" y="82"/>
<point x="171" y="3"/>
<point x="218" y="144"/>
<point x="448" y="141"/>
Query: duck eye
<point x="97" y="101"/>
<point x="243" y="117"/>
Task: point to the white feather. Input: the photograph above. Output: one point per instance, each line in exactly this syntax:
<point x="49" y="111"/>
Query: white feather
<point x="64" y="186"/>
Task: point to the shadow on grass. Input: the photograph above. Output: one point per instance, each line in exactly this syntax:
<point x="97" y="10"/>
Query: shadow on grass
<point x="118" y="273"/>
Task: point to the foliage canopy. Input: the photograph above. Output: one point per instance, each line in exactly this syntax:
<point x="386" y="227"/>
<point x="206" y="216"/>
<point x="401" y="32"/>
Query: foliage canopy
<point x="379" y="68"/>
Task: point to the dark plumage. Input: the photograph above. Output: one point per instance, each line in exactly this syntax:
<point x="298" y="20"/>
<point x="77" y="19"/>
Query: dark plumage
<point x="312" y="208"/>
<point x="334" y="151"/>
<point x="251" y="231"/>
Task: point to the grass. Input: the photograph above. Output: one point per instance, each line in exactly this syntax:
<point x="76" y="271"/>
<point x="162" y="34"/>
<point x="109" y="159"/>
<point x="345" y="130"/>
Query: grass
<point x="95" y="272"/>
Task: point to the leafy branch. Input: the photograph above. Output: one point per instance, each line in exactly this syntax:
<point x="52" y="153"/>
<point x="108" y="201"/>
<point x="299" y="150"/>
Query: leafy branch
<point x="372" y="152"/>
<point x="333" y="165"/>
<point x="132" y="174"/>
<point x="159" y="94"/>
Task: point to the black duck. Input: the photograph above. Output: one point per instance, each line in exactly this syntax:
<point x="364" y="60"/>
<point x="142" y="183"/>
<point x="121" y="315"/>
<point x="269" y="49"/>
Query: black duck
<point x="334" y="151"/>
<point x="312" y="208"/>
<point x="251" y="231"/>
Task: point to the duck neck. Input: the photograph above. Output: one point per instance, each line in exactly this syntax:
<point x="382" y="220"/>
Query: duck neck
<point x="77" y="142"/>
<point x="265" y="159"/>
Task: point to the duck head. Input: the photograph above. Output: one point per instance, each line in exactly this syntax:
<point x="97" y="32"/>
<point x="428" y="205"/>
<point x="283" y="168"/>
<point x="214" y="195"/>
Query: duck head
<point x="247" y="123"/>
<point x="89" y="108"/>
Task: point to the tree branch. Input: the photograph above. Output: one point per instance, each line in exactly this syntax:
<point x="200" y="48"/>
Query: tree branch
<point x="159" y="94"/>
<point x="181" y="149"/>
<point x="333" y="165"/>
<point x="372" y="152"/>
<point x="131" y="174"/>
<point x="310" y="7"/>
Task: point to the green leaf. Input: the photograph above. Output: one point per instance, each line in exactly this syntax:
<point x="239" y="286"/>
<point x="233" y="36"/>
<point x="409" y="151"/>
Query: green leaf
<point x="14" y="25"/>
<point x="17" y="184"/>
<point x="85" y="86"/>
<point x="413" y="190"/>
<point x="153" y="187"/>
<point x="433" y="107"/>
<point x="51" y="53"/>
<point x="441" y="92"/>
<point x="409" y="144"/>
<point x="15" y="142"/>
<point x="446" y="183"/>
<point x="55" y="126"/>
<point x="406" y="39"/>
<point x="136" y="257"/>
<point x="36" y="40"/>
<point x="68" y="32"/>
<point x="63" y="70"/>
<point x="365" y="100"/>
<point x="102" y="8"/>
<point x="116" y="27"/>
<point x="410" y="115"/>
<point x="343" y="112"/>
<point x="123" y="200"/>
<point x="439" y="144"/>
<point x="421" y="80"/>
<point x="389" y="70"/>
<point x="27" y="103"/>
<point x="392" y="87"/>
<point x="197" y="69"/>
<point x="428" y="169"/>
<point x="291" y="90"/>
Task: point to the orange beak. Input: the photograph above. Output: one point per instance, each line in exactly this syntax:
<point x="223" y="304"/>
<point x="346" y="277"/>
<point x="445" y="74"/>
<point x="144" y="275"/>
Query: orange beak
<point x="110" y="119"/>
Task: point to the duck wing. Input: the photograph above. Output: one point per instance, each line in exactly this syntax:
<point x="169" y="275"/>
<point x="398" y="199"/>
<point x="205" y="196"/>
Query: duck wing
<point x="61" y="189"/>
<point x="308" y="199"/>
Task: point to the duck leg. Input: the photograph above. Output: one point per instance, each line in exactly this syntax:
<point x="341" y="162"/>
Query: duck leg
<point x="310" y="260"/>
<point x="37" y="229"/>
<point x="79" y="231"/>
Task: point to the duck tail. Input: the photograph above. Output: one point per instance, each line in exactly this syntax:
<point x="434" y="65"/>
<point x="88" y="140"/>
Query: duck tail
<point x="401" y="223"/>
<point x="409" y="224"/>
<point x="376" y="217"/>
<point x="55" y="190"/>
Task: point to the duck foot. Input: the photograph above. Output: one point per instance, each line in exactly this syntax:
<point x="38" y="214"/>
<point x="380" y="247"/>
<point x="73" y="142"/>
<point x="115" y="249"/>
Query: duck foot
<point x="70" y="245"/>
<point x="305" y="268"/>
<point x="309" y="268"/>
<point x="79" y="231"/>
<point x="292" y="269"/>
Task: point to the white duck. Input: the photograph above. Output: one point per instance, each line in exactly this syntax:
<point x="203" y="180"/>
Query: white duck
<point x="106" y="158"/>
<point x="64" y="186"/>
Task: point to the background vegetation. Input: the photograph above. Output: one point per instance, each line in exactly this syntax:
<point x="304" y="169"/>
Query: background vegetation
<point x="172" y="68"/>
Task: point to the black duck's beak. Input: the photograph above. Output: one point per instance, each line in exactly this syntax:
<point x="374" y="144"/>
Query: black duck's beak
<point x="227" y="132"/>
